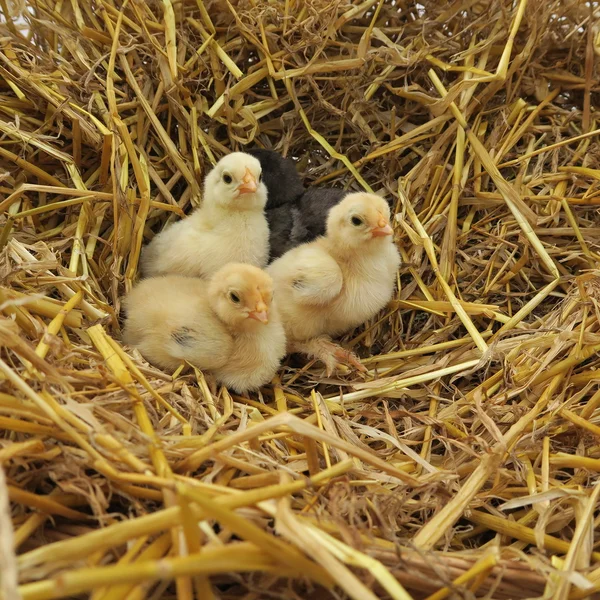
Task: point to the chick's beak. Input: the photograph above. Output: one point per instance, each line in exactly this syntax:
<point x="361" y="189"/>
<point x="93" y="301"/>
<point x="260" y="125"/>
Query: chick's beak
<point x="260" y="313"/>
<point x="248" y="185"/>
<point x="383" y="228"/>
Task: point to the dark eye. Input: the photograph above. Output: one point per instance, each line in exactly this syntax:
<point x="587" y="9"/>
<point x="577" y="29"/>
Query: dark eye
<point x="227" y="178"/>
<point x="234" y="298"/>
<point x="356" y="221"/>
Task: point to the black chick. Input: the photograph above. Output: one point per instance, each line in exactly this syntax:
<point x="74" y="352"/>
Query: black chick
<point x="284" y="185"/>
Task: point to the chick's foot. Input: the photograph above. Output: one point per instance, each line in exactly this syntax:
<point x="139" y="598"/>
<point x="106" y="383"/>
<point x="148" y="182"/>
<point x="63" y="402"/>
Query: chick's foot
<point x="330" y="354"/>
<point x="345" y="357"/>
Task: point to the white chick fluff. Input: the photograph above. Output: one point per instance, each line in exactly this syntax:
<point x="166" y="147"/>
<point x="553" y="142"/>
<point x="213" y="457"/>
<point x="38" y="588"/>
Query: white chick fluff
<point x="337" y="282"/>
<point x="230" y="226"/>
<point x="229" y="325"/>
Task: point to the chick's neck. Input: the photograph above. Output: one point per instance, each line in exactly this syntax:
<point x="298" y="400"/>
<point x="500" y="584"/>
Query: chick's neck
<point x="246" y="327"/>
<point x="248" y="203"/>
<point x="343" y="252"/>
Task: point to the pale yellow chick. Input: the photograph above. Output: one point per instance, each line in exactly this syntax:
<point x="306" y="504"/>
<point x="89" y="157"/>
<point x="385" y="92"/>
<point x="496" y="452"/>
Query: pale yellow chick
<point x="230" y="226"/>
<point x="329" y="286"/>
<point x="229" y="325"/>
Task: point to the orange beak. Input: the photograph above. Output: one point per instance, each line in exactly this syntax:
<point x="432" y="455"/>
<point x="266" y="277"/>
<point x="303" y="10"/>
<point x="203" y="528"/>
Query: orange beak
<point x="383" y="228"/>
<point x="260" y="313"/>
<point x="248" y="185"/>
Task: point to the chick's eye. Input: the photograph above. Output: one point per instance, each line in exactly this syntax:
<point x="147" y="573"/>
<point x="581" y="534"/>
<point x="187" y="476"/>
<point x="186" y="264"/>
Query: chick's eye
<point x="234" y="298"/>
<point x="356" y="221"/>
<point x="227" y="178"/>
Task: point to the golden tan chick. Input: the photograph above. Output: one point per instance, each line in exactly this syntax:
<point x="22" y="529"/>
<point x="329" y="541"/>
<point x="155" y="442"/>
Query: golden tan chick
<point x="329" y="286"/>
<point x="230" y="226"/>
<point x="228" y="325"/>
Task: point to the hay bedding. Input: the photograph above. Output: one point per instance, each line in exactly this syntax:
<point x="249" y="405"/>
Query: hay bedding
<point x="464" y="465"/>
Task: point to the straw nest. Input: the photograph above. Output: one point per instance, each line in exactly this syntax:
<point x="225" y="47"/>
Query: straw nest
<point x="464" y="464"/>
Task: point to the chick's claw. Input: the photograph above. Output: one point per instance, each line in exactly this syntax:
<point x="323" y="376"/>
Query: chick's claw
<point x="346" y="357"/>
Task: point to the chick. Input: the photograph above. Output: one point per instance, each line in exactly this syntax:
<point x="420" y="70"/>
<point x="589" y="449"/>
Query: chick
<point x="329" y="286"/>
<point x="230" y="226"/>
<point x="229" y="325"/>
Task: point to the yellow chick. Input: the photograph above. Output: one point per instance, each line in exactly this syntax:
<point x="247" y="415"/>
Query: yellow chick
<point x="230" y="226"/>
<point x="228" y="325"/>
<point x="329" y="286"/>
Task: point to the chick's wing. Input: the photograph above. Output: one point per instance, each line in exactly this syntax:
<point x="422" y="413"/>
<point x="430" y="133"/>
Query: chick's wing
<point x="313" y="276"/>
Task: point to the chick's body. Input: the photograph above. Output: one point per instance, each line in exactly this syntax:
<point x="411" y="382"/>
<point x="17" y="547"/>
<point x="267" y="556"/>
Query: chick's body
<point x="230" y="226"/>
<point x="229" y="326"/>
<point x="347" y="291"/>
<point x="329" y="286"/>
<point x="205" y="241"/>
<point x="254" y="360"/>
<point x="167" y="315"/>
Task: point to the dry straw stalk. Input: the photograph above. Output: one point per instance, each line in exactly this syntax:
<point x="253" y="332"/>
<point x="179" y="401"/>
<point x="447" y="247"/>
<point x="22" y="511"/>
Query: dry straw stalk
<point x="464" y="463"/>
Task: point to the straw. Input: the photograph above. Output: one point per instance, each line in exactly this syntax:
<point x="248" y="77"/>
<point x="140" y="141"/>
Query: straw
<point x="464" y="463"/>
<point x="9" y="575"/>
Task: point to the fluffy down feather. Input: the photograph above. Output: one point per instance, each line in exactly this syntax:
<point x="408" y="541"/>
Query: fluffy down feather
<point x="228" y="325"/>
<point x="230" y="226"/>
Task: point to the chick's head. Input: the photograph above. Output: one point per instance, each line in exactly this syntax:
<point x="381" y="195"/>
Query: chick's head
<point x="360" y="219"/>
<point x="242" y="296"/>
<point x="236" y="182"/>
